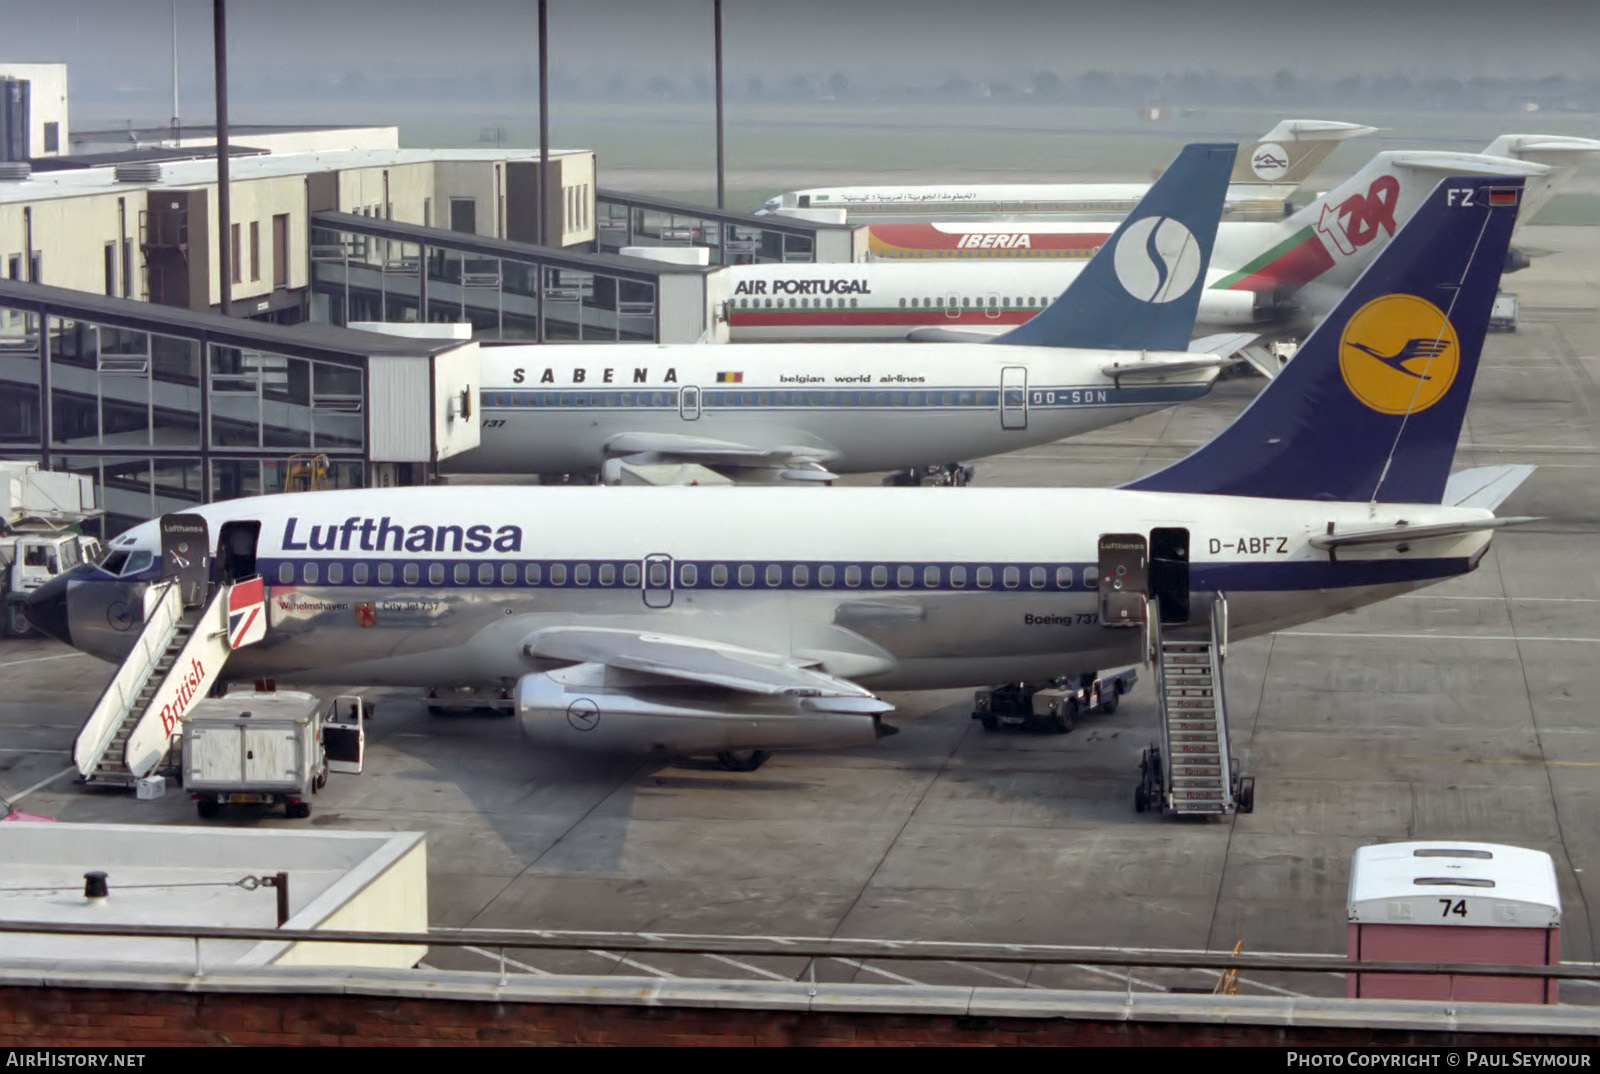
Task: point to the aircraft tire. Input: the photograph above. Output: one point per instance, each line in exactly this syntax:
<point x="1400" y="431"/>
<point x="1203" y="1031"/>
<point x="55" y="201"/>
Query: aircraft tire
<point x="743" y="760"/>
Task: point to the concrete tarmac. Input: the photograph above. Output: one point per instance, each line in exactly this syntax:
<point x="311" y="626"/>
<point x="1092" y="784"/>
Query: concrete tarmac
<point x="1466" y="711"/>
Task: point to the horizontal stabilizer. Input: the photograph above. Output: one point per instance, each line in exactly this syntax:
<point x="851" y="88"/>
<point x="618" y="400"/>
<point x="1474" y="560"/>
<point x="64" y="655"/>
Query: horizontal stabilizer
<point x="954" y="335"/>
<point x="1149" y="369"/>
<point x="695" y="660"/>
<point x="1485" y="486"/>
<point x="1393" y="534"/>
<point x="650" y="459"/>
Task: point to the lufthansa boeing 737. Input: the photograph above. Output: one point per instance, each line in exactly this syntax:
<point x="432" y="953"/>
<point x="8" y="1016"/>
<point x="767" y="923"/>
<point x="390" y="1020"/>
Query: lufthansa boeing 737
<point x="1113" y="346"/>
<point x="685" y="620"/>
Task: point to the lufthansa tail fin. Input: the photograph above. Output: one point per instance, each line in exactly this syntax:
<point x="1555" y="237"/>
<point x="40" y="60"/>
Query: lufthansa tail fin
<point x="1371" y="405"/>
<point x="1142" y="289"/>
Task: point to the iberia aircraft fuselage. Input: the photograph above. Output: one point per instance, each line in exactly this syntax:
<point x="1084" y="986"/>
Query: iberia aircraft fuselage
<point x="558" y="409"/>
<point x="892" y="588"/>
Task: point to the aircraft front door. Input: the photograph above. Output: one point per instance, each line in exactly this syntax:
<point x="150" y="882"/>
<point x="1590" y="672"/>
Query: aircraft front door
<point x="689" y="403"/>
<point x="1123" y="576"/>
<point x="991" y="307"/>
<point x="658" y="581"/>
<point x="1014" y="397"/>
<point x="186" y="556"/>
<point x="952" y="307"/>
<point x="236" y="551"/>
<point x="1169" y="573"/>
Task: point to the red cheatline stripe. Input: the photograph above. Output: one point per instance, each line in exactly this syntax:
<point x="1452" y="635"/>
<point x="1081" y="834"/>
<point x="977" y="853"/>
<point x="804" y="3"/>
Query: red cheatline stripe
<point x="928" y="237"/>
<point x="812" y="318"/>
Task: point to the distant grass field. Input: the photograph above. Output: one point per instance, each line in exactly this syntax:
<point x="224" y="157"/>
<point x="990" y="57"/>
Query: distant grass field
<point x="669" y="148"/>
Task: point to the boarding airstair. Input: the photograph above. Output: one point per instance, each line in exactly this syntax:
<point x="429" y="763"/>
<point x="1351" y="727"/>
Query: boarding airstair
<point x="1190" y="771"/>
<point x="174" y="662"/>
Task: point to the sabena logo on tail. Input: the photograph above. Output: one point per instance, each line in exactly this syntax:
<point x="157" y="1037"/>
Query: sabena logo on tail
<point x="1157" y="259"/>
<point x="1399" y="354"/>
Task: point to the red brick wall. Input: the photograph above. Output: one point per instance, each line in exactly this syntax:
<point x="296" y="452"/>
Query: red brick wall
<point x="105" y="1017"/>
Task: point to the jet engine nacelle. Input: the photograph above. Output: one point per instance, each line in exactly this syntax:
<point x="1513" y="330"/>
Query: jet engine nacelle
<point x="591" y="707"/>
<point x="1234" y="309"/>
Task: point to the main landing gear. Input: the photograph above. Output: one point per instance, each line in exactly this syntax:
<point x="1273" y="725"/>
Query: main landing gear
<point x="953" y="474"/>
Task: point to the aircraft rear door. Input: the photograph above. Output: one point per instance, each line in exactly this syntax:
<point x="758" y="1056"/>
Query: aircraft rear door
<point x="689" y="402"/>
<point x="952" y="307"/>
<point x="1014" y="397"/>
<point x="186" y="555"/>
<point x="658" y="581"/>
<point x="1124" y="573"/>
<point x="991" y="307"/>
<point x="1169" y="573"/>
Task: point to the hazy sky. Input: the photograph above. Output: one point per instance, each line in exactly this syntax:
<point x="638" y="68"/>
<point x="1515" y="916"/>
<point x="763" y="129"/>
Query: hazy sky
<point x="122" y="48"/>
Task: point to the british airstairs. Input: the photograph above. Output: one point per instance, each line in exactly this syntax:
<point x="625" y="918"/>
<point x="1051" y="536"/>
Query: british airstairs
<point x="1190" y="770"/>
<point x="176" y="659"/>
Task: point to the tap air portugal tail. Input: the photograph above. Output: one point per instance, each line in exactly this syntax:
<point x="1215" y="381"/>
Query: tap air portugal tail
<point x="1372" y="404"/>
<point x="1317" y="254"/>
<point x="1142" y="289"/>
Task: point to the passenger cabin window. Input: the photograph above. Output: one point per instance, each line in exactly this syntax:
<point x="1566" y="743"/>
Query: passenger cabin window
<point x="359" y="573"/>
<point x="286" y="573"/>
<point x="852" y="576"/>
<point x="580" y="574"/>
<point x="463" y="574"/>
<point x="630" y="574"/>
<point x="958" y="577"/>
<point x="486" y="574"/>
<point x="532" y="574"/>
<point x="411" y="573"/>
<point x="930" y="577"/>
<point x="436" y="574"/>
<point x="308" y="573"/>
<point x="801" y="575"/>
<point x="906" y="577"/>
<point x="1063" y="577"/>
<point x="508" y="574"/>
<point x="719" y="574"/>
<point x="335" y="573"/>
<point x="747" y="574"/>
<point x="386" y="574"/>
<point x="826" y="576"/>
<point x="1091" y="577"/>
<point x="880" y="576"/>
<point x="774" y="575"/>
<point x="985" y="577"/>
<point x="608" y="574"/>
<point x="558" y="574"/>
<point x="1036" y="577"/>
<point x="688" y="574"/>
<point x="658" y="574"/>
<point x="1010" y="577"/>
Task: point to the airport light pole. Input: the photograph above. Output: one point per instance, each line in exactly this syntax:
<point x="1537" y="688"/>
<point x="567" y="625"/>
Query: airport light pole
<point x="716" y="13"/>
<point x="544" y="135"/>
<point x="219" y="25"/>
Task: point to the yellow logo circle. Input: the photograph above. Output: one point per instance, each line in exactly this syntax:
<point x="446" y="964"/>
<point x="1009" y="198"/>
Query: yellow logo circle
<point x="1399" y="354"/>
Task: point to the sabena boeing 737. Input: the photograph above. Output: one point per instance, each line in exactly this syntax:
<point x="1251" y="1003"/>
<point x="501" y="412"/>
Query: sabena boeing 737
<point x="1267" y="277"/>
<point x="1113" y="346"/>
<point x="699" y="620"/>
<point x="1266" y="173"/>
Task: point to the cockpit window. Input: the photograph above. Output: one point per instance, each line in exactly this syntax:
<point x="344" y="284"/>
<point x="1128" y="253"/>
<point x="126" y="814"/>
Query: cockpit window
<point x="122" y="562"/>
<point x="114" y="563"/>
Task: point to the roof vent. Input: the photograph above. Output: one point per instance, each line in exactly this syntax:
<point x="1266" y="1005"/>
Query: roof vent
<point x="14" y="171"/>
<point x="138" y="173"/>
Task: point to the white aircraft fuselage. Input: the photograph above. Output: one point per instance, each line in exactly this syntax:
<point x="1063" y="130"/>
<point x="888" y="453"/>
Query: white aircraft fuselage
<point x="852" y="408"/>
<point x="895" y="589"/>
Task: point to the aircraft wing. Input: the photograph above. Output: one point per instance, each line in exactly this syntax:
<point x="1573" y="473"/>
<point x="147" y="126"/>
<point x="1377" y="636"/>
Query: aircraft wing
<point x="796" y="463"/>
<point x="1399" y="533"/>
<point x="710" y="663"/>
<point x="1485" y="486"/>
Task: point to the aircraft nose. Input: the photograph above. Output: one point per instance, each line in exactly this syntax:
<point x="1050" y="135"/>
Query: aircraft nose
<point x="46" y="609"/>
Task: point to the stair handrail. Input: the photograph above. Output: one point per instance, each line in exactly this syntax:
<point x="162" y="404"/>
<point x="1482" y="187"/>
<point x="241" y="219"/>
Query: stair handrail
<point x="165" y="603"/>
<point x="1152" y="625"/>
<point x="1219" y="696"/>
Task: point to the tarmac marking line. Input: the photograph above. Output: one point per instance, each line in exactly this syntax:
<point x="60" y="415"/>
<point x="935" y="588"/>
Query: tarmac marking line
<point x="1429" y="637"/>
<point x="494" y="956"/>
<point x="626" y="961"/>
<point x="40" y="659"/>
<point x="880" y="973"/>
<point x="749" y="968"/>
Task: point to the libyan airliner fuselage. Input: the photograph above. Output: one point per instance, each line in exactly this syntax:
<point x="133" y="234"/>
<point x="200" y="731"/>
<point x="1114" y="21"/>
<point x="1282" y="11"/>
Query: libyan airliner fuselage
<point x="849" y="408"/>
<point x="892" y="588"/>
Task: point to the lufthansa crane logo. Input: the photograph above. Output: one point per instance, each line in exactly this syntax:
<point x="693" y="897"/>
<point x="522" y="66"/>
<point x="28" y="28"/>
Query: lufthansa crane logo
<point x="1399" y="354"/>
<point x="1157" y="259"/>
<point x="583" y="714"/>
